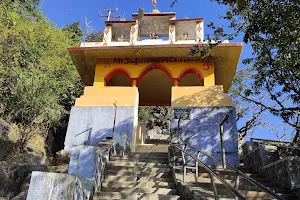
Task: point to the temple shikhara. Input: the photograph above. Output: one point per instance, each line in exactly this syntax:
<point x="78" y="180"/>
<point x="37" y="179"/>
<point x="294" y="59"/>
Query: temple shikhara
<point x="146" y="61"/>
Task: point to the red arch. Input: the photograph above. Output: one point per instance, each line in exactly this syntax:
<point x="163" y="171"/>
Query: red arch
<point x="155" y="66"/>
<point x="191" y="70"/>
<point x="115" y="72"/>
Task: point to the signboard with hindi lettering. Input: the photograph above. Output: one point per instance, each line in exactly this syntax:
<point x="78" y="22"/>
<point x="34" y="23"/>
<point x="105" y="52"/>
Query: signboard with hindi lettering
<point x="140" y="61"/>
<point x="183" y="114"/>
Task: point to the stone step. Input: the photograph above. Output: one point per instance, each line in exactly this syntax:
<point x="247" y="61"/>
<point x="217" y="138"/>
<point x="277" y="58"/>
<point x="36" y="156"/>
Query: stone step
<point x="232" y="176"/>
<point x="161" y="160"/>
<point x="144" y="155"/>
<point x="133" y="178"/>
<point x="136" y="184"/>
<point x="132" y="171"/>
<point x="134" y="196"/>
<point x="225" y="193"/>
<point x="137" y="169"/>
<point x="242" y="186"/>
<point x="151" y="153"/>
<point x="132" y="164"/>
<point x="243" y="182"/>
<point x="157" y="190"/>
<point x="227" y="171"/>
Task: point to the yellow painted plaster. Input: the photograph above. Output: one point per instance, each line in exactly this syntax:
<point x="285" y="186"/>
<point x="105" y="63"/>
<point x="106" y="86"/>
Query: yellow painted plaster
<point x="200" y="96"/>
<point x="107" y="96"/>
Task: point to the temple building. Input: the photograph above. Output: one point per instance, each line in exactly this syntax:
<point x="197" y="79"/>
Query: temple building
<point x="146" y="61"/>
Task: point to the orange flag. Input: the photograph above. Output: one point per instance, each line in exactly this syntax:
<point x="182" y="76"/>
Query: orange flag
<point x="154" y="2"/>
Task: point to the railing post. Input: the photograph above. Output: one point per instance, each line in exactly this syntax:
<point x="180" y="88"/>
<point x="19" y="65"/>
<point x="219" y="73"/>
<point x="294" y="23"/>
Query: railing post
<point x="214" y="186"/>
<point x="237" y="183"/>
<point x="197" y="167"/>
<point x="222" y="141"/>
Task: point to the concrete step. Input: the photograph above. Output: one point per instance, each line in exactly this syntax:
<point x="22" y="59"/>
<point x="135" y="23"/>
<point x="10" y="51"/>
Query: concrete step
<point x="134" y="196"/>
<point x="161" y="160"/>
<point x="225" y="193"/>
<point x="133" y="178"/>
<point x="242" y="186"/>
<point x="155" y="190"/>
<point x="243" y="182"/>
<point x="137" y="184"/>
<point x="151" y="153"/>
<point x="232" y="176"/>
<point x="221" y="170"/>
<point x="138" y="168"/>
<point x="132" y="164"/>
<point x="131" y="172"/>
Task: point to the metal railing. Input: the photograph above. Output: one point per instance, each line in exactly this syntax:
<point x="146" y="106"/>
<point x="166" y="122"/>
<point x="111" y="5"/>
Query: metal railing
<point x="238" y="172"/>
<point x="212" y="174"/>
<point x="266" y="140"/>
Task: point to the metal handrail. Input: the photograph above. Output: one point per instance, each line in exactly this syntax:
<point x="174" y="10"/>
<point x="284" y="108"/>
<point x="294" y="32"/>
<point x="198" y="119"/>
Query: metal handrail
<point x="212" y="173"/>
<point x="267" y="140"/>
<point x="239" y="173"/>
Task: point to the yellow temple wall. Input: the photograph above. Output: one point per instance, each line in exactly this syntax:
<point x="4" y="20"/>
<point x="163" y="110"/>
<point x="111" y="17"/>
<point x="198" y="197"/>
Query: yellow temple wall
<point x="103" y="69"/>
<point x="200" y="96"/>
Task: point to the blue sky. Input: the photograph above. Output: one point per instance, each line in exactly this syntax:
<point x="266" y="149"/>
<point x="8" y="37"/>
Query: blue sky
<point x="63" y="12"/>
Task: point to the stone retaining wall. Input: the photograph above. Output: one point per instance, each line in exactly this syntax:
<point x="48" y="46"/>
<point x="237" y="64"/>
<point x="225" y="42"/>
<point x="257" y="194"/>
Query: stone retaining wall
<point x="286" y="172"/>
<point x="265" y="160"/>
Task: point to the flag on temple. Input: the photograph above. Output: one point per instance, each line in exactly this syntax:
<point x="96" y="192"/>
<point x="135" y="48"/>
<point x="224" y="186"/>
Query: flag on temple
<point x="154" y="2"/>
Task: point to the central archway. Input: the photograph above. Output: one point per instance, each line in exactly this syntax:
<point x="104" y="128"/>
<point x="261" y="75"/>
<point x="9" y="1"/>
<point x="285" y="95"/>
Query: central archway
<point x="154" y="85"/>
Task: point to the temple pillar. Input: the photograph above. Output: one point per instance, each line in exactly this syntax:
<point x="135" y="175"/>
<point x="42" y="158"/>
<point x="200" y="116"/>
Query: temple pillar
<point x="134" y="82"/>
<point x="176" y="82"/>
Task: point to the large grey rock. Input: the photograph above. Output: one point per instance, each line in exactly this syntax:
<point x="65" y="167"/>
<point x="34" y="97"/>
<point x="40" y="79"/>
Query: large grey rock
<point x="260" y="156"/>
<point x="21" y="196"/>
<point x="90" y="125"/>
<point x="248" y="147"/>
<point x="50" y="186"/>
<point x="15" y="175"/>
<point x="5" y="128"/>
<point x="202" y="131"/>
<point x="285" y="172"/>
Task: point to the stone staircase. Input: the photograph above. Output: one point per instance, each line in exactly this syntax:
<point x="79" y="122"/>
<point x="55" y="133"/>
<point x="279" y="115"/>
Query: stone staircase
<point x="204" y="190"/>
<point x="138" y="176"/>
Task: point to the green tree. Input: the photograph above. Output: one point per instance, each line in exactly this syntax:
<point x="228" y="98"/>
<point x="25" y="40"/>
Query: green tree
<point x="75" y="32"/>
<point x="38" y="82"/>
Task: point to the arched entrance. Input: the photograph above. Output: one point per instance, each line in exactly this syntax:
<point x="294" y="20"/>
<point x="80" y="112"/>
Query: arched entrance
<point x="191" y="77"/>
<point x="154" y="84"/>
<point x="118" y="77"/>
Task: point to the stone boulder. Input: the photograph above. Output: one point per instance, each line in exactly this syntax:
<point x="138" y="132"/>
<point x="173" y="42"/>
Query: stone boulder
<point x="5" y="128"/>
<point x="15" y="175"/>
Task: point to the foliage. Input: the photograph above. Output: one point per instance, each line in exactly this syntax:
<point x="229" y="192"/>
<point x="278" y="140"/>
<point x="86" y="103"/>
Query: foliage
<point x="152" y="116"/>
<point x="92" y="34"/>
<point x="38" y="82"/>
<point x="75" y="32"/>
<point x="272" y="29"/>
<point x="96" y="36"/>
